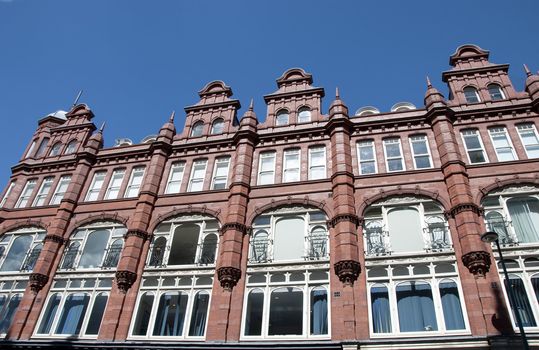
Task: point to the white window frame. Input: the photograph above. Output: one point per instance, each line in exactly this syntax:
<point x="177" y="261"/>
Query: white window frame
<point x="502" y="93"/>
<point x="7" y="194"/>
<point x="26" y="194"/>
<point x="466" y="132"/>
<point x="499" y="130"/>
<point x="175" y="168"/>
<point x="302" y="110"/>
<point x="59" y="192"/>
<point x="271" y="154"/>
<point x="135" y="172"/>
<point x="43" y="192"/>
<point x="98" y="176"/>
<point x="219" y="161"/>
<point x="423" y="138"/>
<point x="288" y="169"/>
<point x="317" y="149"/>
<point x="215" y="131"/>
<point x="71" y="146"/>
<point x="198" y="179"/>
<point x="477" y="96"/>
<point x="117" y="177"/>
<point x="280" y="113"/>
<point x="523" y="128"/>
<point x="366" y="143"/>
<point x="389" y="141"/>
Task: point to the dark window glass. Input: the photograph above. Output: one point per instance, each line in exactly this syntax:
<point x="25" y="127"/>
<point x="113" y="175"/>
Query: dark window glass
<point x="143" y="315"/>
<point x="253" y="319"/>
<point x="286" y="312"/>
<point x="97" y="314"/>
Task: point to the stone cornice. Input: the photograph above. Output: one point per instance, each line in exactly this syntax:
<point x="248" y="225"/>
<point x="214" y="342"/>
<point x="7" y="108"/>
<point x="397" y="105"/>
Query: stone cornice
<point x="310" y="91"/>
<point x="227" y="103"/>
<point x="472" y="71"/>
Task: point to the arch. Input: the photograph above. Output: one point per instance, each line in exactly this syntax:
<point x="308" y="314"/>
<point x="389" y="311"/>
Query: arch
<point x="293" y="74"/>
<point x="366" y="110"/>
<point x="288" y="202"/>
<point x="70" y="147"/>
<point x="97" y="217"/>
<point x="304" y="112"/>
<point x="495" y="91"/>
<point x="189" y="210"/>
<point x="435" y="196"/>
<point x="197" y="129"/>
<point x="24" y="223"/>
<point x="280" y="117"/>
<point x="467" y="51"/>
<point x="215" y="87"/>
<point x="217" y="126"/>
<point x="55" y="149"/>
<point x="499" y="184"/>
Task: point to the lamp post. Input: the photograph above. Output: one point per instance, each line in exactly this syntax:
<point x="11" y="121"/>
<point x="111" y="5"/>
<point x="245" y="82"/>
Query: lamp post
<point x="490" y="237"/>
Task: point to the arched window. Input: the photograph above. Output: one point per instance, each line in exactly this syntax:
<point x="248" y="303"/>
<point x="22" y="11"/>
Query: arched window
<point x="209" y="247"/>
<point x="524" y="213"/>
<point x="289" y="239"/>
<point x="259" y="246"/>
<point x="20" y="249"/>
<point x="497" y="223"/>
<point x="31" y="258"/>
<point x="218" y="126"/>
<point x="318" y="241"/>
<point x="495" y="92"/>
<point x="197" y="129"/>
<point x="184" y="245"/>
<point x="405" y="230"/>
<point x="42" y="147"/>
<point x="282" y="117"/>
<point x="55" y="149"/>
<point x="94" y="249"/>
<point x="304" y="115"/>
<point x="158" y="252"/>
<point x="8" y="310"/>
<point x="70" y="147"/>
<point x="471" y="94"/>
<point x="113" y="253"/>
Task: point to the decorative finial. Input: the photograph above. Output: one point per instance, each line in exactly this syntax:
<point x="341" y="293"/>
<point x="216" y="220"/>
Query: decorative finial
<point x="102" y="127"/>
<point x="172" y="116"/>
<point x="428" y="82"/>
<point x="337" y="96"/>
<point x="77" y="98"/>
<point x="251" y="105"/>
<point x="527" y="70"/>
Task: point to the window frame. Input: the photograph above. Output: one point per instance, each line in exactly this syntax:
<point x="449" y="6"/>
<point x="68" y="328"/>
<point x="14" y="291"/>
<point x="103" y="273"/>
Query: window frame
<point x="500" y="91"/>
<point x="499" y="130"/>
<point x="7" y="194"/>
<point x="64" y="181"/>
<point x="137" y="171"/>
<point x="213" y="131"/>
<point x="304" y="109"/>
<point x="197" y="129"/>
<point x="468" y="98"/>
<point x="173" y="167"/>
<point x="113" y="186"/>
<point x="363" y="143"/>
<point x="201" y="179"/>
<point x="315" y="149"/>
<point x="477" y="133"/>
<point x="218" y="161"/>
<point x="43" y="192"/>
<point x="425" y="139"/>
<point x="26" y="194"/>
<point x="280" y="113"/>
<point x="92" y="189"/>
<point x="266" y="154"/>
<point x="388" y="141"/>
<point x="288" y="169"/>
<point x="523" y="127"/>
<point x="71" y="147"/>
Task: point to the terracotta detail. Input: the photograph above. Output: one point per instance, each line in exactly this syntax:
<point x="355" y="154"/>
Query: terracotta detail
<point x="54" y="238"/>
<point x="478" y="263"/>
<point x="348" y="271"/>
<point x="37" y="282"/>
<point x="228" y="276"/>
<point x="137" y="233"/>
<point x="344" y="217"/>
<point x="233" y="226"/>
<point x="125" y="279"/>
<point x="459" y="208"/>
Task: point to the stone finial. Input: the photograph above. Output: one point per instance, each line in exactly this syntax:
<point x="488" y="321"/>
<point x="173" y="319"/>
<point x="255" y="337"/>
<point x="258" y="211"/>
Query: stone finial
<point x="432" y="96"/>
<point x="527" y="70"/>
<point x="337" y="95"/>
<point x="171" y="119"/>
<point x="251" y="105"/>
<point x="102" y="128"/>
<point x="429" y="85"/>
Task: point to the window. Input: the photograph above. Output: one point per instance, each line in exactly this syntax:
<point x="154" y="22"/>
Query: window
<point x="367" y="157"/>
<point x="114" y="184"/>
<point x="502" y="144"/>
<point x="43" y="192"/>
<point x="197" y="129"/>
<point x="393" y="153"/>
<point x="304" y="115"/>
<point x="94" y="247"/>
<point x="196" y="182"/>
<point x="95" y="187"/>
<point x="135" y="181"/>
<point x="415" y="298"/>
<point x="42" y="147"/>
<point x="218" y="126"/>
<point x="31" y="149"/>
<point x="513" y="213"/>
<point x="55" y="149"/>
<point x="266" y="173"/>
<point x="404" y="225"/>
<point x="291" y="165"/>
<point x="19" y="251"/>
<point x="495" y="92"/>
<point x="474" y="146"/>
<point x="71" y="146"/>
<point x="317" y="163"/>
<point x="220" y="173"/>
<point x="282" y="117"/>
<point x="528" y="136"/>
<point x="420" y="151"/>
<point x="26" y="194"/>
<point x="6" y="195"/>
<point x="61" y="189"/>
<point x="175" y="178"/>
<point x="471" y="94"/>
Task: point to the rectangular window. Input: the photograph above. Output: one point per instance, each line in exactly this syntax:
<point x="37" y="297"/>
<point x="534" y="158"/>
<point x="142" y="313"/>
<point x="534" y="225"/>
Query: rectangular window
<point x="114" y="184"/>
<point x="502" y="144"/>
<point x="26" y="194"/>
<point x="291" y="164"/>
<point x="220" y="173"/>
<point x="474" y="146"/>
<point x="366" y="155"/>
<point x="266" y="173"/>
<point x="43" y="192"/>
<point x="61" y="189"/>
<point x="175" y="178"/>
<point x="6" y="195"/>
<point x="393" y="153"/>
<point x="317" y="163"/>
<point x="196" y="182"/>
<point x="95" y="187"/>
<point x="420" y="151"/>
<point x="528" y="136"/>
<point x="135" y="181"/>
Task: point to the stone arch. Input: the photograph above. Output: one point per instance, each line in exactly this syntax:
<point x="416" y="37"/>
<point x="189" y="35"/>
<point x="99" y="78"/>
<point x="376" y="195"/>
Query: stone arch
<point x="24" y="223"/>
<point x="498" y="184"/>
<point x="188" y="210"/>
<point x="289" y="201"/>
<point x="97" y="217"/>
<point x="400" y="192"/>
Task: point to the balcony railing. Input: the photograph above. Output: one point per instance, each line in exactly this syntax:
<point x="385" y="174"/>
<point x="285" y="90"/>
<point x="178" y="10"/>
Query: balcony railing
<point x="438" y="235"/>
<point x="500" y="226"/>
<point x="259" y="251"/>
<point x="376" y="241"/>
<point x="317" y="247"/>
<point x="207" y="253"/>
<point x="70" y="257"/>
<point x="31" y="259"/>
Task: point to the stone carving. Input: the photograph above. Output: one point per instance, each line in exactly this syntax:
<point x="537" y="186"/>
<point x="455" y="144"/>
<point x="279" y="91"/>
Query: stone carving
<point x="37" y="282"/>
<point x="54" y="238"/>
<point x="459" y="208"/>
<point x="343" y="217"/>
<point x="229" y="277"/>
<point x="125" y="279"/>
<point x="137" y="233"/>
<point x="348" y="271"/>
<point x="233" y="226"/>
<point x="478" y="263"/>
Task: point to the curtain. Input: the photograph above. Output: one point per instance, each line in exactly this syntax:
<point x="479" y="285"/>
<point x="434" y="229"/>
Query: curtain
<point x="52" y="308"/>
<point x="416" y="307"/>
<point x="73" y="314"/>
<point x="198" y="317"/>
<point x="521" y="300"/>
<point x="9" y="311"/>
<point x="525" y="216"/>
<point x="381" y="315"/>
<point x="451" y="306"/>
<point x="319" y="311"/>
<point x="171" y="314"/>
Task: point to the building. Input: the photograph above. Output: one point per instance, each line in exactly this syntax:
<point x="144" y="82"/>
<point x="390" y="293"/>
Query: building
<point x="307" y="231"/>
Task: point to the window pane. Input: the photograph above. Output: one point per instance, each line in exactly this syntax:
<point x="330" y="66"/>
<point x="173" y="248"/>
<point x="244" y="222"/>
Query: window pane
<point x="289" y="238"/>
<point x="405" y="230"/>
<point x="184" y="245"/>
<point x="217" y="126"/>
<point x="393" y="150"/>
<point x="17" y="253"/>
<point x="73" y="314"/>
<point x="97" y="314"/>
<point x="368" y="167"/>
<point x="171" y="314"/>
<point x="253" y="318"/>
<point x="158" y="252"/>
<point x="381" y="315"/>
<point x="209" y="248"/>
<point x="415" y="307"/>
<point x="319" y="311"/>
<point x="6" y="317"/>
<point x="451" y="306"/>
<point x="394" y="164"/>
<point x="94" y="249"/>
<point x="422" y="162"/>
<point x="521" y="300"/>
<point x="286" y="312"/>
<point x="197" y="129"/>
<point x="199" y="314"/>
<point x="477" y="156"/>
<point x="50" y="313"/>
<point x="525" y="218"/>
<point x="143" y="315"/>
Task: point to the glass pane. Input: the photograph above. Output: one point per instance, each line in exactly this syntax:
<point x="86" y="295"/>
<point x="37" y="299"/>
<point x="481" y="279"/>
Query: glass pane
<point x="368" y="167"/>
<point x="525" y="218"/>
<point x="286" y="312"/>
<point x="199" y="314"/>
<point x="158" y="252"/>
<point x="405" y="230"/>
<point x="393" y="150"/>
<point x="209" y="248"/>
<point x="366" y="152"/>
<point x="476" y="156"/>
<point x="253" y="318"/>
<point x="143" y="315"/>
<point x="451" y="305"/>
<point x="319" y="311"/>
<point x="522" y="302"/>
<point x="184" y="245"/>
<point x="50" y="313"/>
<point x="381" y="315"/>
<point x="416" y="307"/>
<point x="17" y="253"/>
<point x="394" y="164"/>
<point x="7" y="314"/>
<point x="94" y="249"/>
<point x="289" y="239"/>
<point x="472" y="141"/>
<point x="171" y="314"/>
<point x="73" y="314"/>
<point x="97" y="314"/>
<point x="422" y="162"/>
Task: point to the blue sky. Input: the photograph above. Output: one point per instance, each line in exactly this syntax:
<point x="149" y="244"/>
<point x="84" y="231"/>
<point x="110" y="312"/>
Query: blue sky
<point x="139" y="60"/>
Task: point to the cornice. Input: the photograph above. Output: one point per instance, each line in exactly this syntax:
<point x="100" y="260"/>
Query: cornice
<point x="233" y="103"/>
<point x="459" y="72"/>
<point x="269" y="97"/>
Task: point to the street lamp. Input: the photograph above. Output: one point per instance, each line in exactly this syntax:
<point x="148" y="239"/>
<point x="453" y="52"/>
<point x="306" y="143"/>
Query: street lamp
<point x="490" y="237"/>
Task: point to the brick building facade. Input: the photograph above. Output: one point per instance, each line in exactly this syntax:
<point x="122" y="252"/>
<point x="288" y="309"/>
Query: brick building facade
<point x="306" y="231"/>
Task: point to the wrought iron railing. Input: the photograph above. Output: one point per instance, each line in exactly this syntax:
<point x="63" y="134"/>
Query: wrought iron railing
<point x="70" y="257"/>
<point x="438" y="236"/>
<point x="500" y="226"/>
<point x="207" y="253"/>
<point x="157" y="256"/>
<point x="112" y="257"/>
<point x="317" y="247"/>
<point x="376" y="241"/>
<point x="259" y="251"/>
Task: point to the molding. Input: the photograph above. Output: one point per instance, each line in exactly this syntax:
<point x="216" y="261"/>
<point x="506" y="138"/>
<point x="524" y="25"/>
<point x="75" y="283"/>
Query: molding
<point x="125" y="279"/>
<point x="236" y="226"/>
<point x="478" y="263"/>
<point x="342" y="218"/>
<point x="54" y="238"/>
<point x="229" y="277"/>
<point x="37" y="281"/>
<point x="137" y="233"/>
<point x="190" y="209"/>
<point x="348" y="271"/>
<point x="401" y="191"/>
<point x="289" y="201"/>
<point x="462" y="207"/>
<point x="25" y="223"/>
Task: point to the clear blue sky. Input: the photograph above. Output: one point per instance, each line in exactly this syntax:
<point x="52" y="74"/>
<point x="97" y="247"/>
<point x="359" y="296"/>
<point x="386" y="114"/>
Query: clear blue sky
<point x="139" y="60"/>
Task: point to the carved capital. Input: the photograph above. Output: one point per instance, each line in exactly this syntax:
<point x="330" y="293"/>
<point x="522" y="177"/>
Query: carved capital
<point x="462" y="207"/>
<point x="125" y="279"/>
<point x="233" y="226"/>
<point x="477" y="262"/>
<point x="344" y="217"/>
<point x="37" y="282"/>
<point x="137" y="233"/>
<point x="348" y="271"/>
<point x="54" y="238"/>
<point x="228" y="276"/>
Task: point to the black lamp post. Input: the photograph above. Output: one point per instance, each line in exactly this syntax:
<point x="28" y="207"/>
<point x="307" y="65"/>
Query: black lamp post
<point x="490" y="237"/>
